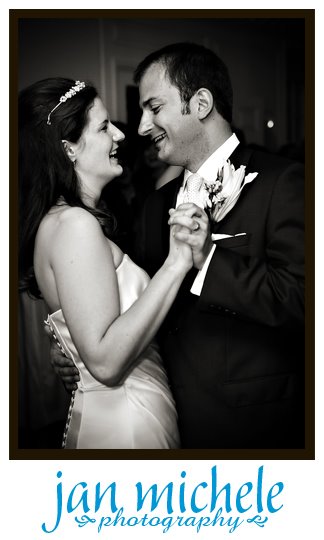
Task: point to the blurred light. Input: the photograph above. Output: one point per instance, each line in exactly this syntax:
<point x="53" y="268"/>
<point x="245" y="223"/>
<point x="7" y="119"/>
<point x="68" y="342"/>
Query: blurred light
<point x="270" y="124"/>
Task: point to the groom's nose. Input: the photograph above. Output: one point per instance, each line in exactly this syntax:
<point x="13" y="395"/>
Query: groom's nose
<point x="146" y="124"/>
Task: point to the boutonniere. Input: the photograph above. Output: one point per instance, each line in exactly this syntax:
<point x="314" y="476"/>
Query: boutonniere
<point x="222" y="194"/>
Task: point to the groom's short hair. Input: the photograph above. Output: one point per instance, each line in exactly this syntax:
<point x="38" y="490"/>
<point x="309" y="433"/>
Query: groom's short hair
<point x="190" y="66"/>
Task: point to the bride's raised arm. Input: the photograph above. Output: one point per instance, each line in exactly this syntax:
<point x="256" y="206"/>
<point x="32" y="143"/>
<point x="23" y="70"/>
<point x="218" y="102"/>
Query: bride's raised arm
<point x="84" y="272"/>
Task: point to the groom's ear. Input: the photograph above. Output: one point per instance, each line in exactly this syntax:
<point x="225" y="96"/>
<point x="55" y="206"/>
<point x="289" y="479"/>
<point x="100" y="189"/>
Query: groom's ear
<point x="205" y="102"/>
<point x="69" y="150"/>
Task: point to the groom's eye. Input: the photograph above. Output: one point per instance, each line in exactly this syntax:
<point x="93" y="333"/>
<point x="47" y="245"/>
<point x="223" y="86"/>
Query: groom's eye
<point x="155" y="110"/>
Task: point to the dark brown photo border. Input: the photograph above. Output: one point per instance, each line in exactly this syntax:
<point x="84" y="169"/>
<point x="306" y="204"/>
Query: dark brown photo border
<point x="308" y="452"/>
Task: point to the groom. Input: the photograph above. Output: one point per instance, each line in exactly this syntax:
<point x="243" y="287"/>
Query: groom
<point x="233" y="342"/>
<point x="234" y="345"/>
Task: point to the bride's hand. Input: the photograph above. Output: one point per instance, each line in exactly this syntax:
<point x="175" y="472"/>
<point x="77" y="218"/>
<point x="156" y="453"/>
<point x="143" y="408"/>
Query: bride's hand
<point x="194" y="229"/>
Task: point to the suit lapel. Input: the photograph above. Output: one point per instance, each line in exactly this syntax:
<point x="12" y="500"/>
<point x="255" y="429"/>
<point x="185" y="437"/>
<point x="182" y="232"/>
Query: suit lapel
<point x="174" y="187"/>
<point x="241" y="156"/>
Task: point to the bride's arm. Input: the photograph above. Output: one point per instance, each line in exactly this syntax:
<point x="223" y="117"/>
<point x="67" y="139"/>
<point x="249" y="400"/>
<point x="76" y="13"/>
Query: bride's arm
<point x="108" y="342"/>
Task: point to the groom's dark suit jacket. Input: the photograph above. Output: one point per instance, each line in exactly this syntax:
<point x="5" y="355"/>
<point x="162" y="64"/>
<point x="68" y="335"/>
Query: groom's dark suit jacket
<point x="235" y="355"/>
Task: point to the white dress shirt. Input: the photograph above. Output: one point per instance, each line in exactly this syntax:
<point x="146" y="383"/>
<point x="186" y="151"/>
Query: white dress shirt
<point x="208" y="171"/>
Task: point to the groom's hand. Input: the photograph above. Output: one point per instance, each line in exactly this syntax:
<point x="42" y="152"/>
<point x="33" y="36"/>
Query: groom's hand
<point x="63" y="366"/>
<point x="195" y="231"/>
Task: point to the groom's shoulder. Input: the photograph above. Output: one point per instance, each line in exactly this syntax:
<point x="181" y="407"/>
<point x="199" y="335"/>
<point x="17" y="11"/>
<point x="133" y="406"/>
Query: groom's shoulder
<point x="270" y="161"/>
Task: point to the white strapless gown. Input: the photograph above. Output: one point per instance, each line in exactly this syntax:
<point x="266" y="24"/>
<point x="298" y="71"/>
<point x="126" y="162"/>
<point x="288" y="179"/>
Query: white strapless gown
<point x="140" y="413"/>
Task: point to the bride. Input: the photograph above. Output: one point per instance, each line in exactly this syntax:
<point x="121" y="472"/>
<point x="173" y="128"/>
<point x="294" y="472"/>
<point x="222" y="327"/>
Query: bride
<point x="103" y="309"/>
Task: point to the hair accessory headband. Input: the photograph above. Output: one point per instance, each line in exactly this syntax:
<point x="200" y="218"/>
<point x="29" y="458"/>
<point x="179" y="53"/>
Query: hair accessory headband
<point x="78" y="86"/>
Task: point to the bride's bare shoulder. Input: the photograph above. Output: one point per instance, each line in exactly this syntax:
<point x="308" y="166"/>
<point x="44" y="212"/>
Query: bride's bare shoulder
<point x="67" y="217"/>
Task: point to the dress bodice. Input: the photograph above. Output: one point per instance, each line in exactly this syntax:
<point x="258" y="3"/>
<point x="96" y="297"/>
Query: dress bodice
<point x="132" y="280"/>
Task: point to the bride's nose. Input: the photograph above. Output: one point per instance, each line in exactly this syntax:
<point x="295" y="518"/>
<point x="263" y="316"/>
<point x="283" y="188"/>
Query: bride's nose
<point x="117" y="135"/>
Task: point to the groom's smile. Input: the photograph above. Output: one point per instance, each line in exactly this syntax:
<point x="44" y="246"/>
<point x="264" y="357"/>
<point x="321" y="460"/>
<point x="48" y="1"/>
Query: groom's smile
<point x="159" y="138"/>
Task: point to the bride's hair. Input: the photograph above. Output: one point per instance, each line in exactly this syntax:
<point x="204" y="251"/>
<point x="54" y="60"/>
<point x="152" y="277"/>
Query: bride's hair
<point x="45" y="171"/>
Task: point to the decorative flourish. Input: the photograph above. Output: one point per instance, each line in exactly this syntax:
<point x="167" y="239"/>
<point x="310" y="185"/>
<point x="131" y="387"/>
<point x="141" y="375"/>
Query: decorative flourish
<point x="84" y="520"/>
<point x="258" y="520"/>
<point x="222" y="194"/>
<point x="70" y="93"/>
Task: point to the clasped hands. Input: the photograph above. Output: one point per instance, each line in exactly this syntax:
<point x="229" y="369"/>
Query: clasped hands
<point x="192" y="228"/>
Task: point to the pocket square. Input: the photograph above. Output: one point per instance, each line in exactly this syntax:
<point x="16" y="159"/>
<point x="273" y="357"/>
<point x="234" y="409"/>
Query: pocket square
<point x="216" y="237"/>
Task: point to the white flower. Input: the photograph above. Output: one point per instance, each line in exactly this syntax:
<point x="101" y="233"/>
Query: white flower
<point x="225" y="191"/>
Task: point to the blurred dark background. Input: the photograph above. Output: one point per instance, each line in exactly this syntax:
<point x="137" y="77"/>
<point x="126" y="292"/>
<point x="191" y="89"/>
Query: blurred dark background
<point x="266" y="61"/>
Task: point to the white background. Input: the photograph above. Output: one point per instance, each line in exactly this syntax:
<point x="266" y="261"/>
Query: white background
<point x="28" y="487"/>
